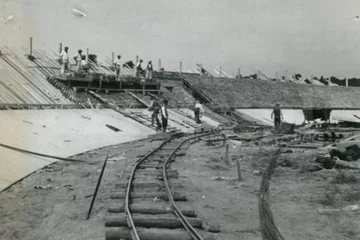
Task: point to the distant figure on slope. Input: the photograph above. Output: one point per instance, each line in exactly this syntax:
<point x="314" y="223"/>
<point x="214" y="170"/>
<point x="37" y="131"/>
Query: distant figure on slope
<point x="155" y="107"/>
<point x="78" y="60"/>
<point x="149" y="70"/>
<point x="278" y="115"/>
<point x="138" y="68"/>
<point x="117" y="65"/>
<point x="198" y="112"/>
<point x="164" y="115"/>
<point x="64" y="60"/>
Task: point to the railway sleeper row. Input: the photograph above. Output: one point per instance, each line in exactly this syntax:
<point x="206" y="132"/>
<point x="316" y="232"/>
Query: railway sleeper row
<point x="151" y="210"/>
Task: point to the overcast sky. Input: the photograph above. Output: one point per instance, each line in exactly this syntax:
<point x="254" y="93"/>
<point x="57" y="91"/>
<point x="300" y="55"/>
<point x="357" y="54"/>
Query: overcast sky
<point x="311" y="37"/>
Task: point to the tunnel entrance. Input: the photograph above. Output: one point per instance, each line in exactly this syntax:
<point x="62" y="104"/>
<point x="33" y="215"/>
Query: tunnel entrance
<point x="312" y="114"/>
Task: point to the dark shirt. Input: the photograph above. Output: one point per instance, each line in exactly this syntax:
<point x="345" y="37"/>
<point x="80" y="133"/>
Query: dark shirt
<point x="277" y="112"/>
<point x="156" y="104"/>
<point x="149" y="67"/>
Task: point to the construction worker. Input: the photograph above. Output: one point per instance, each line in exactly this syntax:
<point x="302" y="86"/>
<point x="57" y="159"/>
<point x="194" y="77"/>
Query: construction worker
<point x="164" y="115"/>
<point x="117" y="66"/>
<point x="155" y="107"/>
<point x="278" y="115"/>
<point x="198" y="112"/>
<point x="138" y="68"/>
<point x="149" y="70"/>
<point x="64" y="60"/>
<point x="78" y="60"/>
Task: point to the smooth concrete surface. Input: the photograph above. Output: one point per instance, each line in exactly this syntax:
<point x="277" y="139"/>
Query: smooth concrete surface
<point x="263" y="116"/>
<point x="58" y="132"/>
<point x="345" y="115"/>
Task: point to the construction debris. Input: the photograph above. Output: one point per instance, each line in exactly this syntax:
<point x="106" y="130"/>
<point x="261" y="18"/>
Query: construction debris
<point x="113" y="128"/>
<point x="47" y="187"/>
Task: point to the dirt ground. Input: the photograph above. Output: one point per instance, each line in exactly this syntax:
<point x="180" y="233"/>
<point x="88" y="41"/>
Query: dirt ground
<point x="298" y="196"/>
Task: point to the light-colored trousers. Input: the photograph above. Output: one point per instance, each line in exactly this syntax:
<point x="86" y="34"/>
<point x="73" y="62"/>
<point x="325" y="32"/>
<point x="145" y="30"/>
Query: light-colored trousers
<point x="64" y="67"/>
<point x="148" y="74"/>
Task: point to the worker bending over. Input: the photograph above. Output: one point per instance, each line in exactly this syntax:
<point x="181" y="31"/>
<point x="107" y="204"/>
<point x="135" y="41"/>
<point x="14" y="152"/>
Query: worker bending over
<point x="198" y="112"/>
<point x="164" y="115"/>
<point x="278" y="115"/>
<point x="155" y="107"/>
<point x="138" y="68"/>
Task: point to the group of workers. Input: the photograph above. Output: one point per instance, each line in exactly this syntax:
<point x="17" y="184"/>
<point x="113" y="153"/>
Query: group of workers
<point x="79" y="60"/>
<point x="162" y="109"/>
<point x="64" y="60"/>
<point x="137" y="69"/>
<point x="157" y="108"/>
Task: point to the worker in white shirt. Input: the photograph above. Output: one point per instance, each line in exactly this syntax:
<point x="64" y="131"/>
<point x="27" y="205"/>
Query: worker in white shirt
<point x="149" y="70"/>
<point x="198" y="111"/>
<point x="164" y="115"/>
<point x="138" y="68"/>
<point x="117" y="66"/>
<point x="64" y="60"/>
<point x="78" y="59"/>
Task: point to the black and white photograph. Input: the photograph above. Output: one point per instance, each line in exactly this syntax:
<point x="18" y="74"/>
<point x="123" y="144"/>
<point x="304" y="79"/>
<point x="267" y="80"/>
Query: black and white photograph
<point x="179" y="120"/>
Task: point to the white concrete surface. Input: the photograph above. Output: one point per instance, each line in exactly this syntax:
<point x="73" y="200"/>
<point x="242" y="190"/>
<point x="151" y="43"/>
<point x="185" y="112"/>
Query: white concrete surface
<point x="263" y="116"/>
<point x="345" y="115"/>
<point x="58" y="132"/>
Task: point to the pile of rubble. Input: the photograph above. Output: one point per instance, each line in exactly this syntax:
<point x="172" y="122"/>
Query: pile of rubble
<point x="345" y="154"/>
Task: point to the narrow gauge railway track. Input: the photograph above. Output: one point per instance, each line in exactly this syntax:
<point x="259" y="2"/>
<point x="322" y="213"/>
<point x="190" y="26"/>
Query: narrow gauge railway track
<point x="149" y="211"/>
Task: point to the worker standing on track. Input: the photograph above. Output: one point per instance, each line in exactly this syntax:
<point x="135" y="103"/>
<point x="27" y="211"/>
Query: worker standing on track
<point x="155" y="107"/>
<point x="78" y="59"/>
<point x="149" y="70"/>
<point x="138" y="68"/>
<point x="198" y="112"/>
<point x="278" y="115"/>
<point x="164" y="115"/>
<point x="64" y="60"/>
<point x="117" y="65"/>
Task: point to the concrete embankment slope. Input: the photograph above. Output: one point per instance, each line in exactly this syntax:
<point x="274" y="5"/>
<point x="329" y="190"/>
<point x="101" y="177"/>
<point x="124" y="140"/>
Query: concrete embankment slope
<point x="58" y="132"/>
<point x="250" y="93"/>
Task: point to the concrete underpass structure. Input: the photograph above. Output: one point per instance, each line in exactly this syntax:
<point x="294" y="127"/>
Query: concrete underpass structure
<point x="254" y="99"/>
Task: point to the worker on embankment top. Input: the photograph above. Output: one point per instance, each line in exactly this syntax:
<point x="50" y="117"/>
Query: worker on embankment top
<point x="278" y="115"/>
<point x="117" y="65"/>
<point x="198" y="111"/>
<point x="138" y="68"/>
<point x="78" y="60"/>
<point x="155" y="107"/>
<point x="164" y="115"/>
<point x="64" y="60"/>
<point x="149" y="70"/>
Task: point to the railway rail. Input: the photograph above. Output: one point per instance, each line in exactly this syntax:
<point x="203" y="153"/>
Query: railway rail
<point x="149" y="210"/>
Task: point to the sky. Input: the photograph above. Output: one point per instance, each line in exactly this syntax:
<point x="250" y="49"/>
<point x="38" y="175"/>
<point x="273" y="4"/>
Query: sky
<point x="317" y="38"/>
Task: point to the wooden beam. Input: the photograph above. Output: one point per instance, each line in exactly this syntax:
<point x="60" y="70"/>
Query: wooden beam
<point x="138" y="99"/>
<point x="31" y="46"/>
<point x="144" y="208"/>
<point x="151" y="221"/>
<point x="147" y="233"/>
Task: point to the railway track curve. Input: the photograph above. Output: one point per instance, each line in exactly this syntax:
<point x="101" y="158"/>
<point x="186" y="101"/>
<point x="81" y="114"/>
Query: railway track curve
<point x="149" y="210"/>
